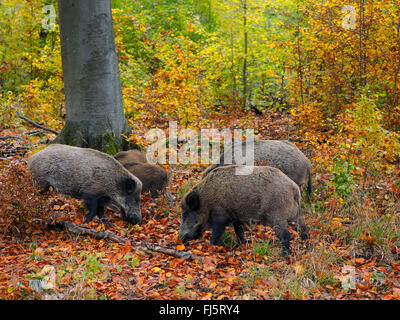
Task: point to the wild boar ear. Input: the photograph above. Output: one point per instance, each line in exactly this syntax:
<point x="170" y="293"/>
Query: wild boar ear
<point x="130" y="185"/>
<point x="193" y="200"/>
<point x="127" y="165"/>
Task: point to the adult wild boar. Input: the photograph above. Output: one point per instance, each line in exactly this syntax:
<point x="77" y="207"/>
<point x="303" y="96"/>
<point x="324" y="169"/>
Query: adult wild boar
<point x="90" y="175"/>
<point x="153" y="178"/>
<point x="265" y="196"/>
<point x="280" y="154"/>
<point x="134" y="156"/>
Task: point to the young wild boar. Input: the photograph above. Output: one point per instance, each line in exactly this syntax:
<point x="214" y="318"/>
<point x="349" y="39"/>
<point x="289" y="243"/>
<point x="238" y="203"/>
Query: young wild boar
<point x="90" y="175"/>
<point x="153" y="178"/>
<point x="266" y="196"/>
<point x="280" y="154"/>
<point x="134" y="156"/>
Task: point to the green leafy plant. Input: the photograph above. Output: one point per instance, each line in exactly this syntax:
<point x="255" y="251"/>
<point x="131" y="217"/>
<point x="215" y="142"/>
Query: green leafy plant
<point x="93" y="270"/>
<point x="343" y="180"/>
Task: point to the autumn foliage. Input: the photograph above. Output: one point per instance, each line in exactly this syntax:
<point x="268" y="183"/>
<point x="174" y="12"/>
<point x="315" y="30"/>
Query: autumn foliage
<point x="321" y="74"/>
<point x="24" y="209"/>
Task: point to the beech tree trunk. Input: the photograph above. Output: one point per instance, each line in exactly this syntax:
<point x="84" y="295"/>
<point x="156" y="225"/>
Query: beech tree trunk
<point x="94" y="110"/>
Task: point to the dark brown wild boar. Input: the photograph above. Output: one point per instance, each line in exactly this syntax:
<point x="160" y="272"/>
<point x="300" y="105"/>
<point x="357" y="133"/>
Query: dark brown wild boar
<point x="280" y="154"/>
<point x="265" y="196"/>
<point x="154" y="179"/>
<point x="91" y="175"/>
<point x="134" y="156"/>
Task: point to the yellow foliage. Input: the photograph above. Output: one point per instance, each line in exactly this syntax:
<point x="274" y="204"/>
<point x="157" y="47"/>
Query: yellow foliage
<point x="363" y="122"/>
<point x="178" y="91"/>
<point x="309" y="117"/>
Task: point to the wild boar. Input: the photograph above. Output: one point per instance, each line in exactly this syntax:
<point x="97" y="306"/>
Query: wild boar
<point x="91" y="175"/>
<point x="134" y="156"/>
<point x="280" y="154"/>
<point x="266" y="196"/>
<point x="153" y="178"/>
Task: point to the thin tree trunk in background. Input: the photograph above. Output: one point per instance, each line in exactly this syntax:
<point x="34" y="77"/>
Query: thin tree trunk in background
<point x="209" y="15"/>
<point x="30" y="46"/>
<point x="361" y="55"/>
<point x="300" y="71"/>
<point x="94" y="111"/>
<point x="300" y="66"/>
<point x="233" y="73"/>
<point x="244" y="100"/>
<point x="396" y="78"/>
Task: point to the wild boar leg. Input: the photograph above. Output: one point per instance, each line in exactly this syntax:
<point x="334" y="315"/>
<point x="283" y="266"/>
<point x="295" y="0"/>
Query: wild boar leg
<point x="93" y="205"/>
<point x="169" y="197"/>
<point x="239" y="230"/>
<point x="218" y="228"/>
<point x="302" y="228"/>
<point x="100" y="210"/>
<point x="43" y="185"/>
<point x="154" y="193"/>
<point x="284" y="236"/>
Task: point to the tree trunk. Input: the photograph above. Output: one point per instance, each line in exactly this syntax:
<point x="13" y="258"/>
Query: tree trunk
<point x="94" y="110"/>
<point x="361" y="56"/>
<point x="300" y="59"/>
<point x="396" y="79"/>
<point x="244" y="101"/>
<point x="233" y="73"/>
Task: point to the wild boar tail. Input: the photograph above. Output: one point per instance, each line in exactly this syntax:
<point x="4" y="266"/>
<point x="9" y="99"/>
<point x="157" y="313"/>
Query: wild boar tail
<point x="309" y="185"/>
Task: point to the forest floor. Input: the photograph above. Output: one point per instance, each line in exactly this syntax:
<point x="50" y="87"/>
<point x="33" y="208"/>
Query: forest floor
<point x="341" y="260"/>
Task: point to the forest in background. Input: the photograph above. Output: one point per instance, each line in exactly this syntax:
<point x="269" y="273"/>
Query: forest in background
<point x="322" y="73"/>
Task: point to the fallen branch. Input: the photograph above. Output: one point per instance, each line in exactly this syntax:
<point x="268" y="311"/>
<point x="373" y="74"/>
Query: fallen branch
<point x="36" y="124"/>
<point x="83" y="230"/>
<point x="172" y="252"/>
<point x="35" y="132"/>
<point x="12" y="137"/>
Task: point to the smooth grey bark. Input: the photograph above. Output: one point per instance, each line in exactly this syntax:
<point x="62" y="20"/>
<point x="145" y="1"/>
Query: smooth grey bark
<point x="94" y="110"/>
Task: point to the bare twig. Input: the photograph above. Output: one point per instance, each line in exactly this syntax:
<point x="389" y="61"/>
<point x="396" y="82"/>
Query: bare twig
<point x="35" y="132"/>
<point x="11" y="137"/>
<point x="19" y="114"/>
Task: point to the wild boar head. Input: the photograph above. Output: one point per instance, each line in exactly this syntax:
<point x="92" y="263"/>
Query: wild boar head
<point x="193" y="219"/>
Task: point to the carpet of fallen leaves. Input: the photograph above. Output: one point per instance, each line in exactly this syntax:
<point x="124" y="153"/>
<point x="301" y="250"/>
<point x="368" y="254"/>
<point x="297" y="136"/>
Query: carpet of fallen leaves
<point x="87" y="268"/>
